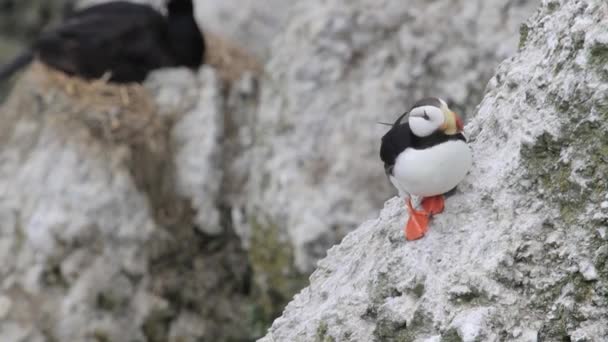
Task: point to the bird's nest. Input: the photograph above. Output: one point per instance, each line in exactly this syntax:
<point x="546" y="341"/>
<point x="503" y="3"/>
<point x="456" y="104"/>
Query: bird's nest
<point x="113" y="113"/>
<point x="122" y="113"/>
<point x="230" y="61"/>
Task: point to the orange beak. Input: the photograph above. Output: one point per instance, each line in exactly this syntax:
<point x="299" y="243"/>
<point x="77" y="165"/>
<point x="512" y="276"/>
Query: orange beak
<point x="459" y="123"/>
<point x="453" y="123"/>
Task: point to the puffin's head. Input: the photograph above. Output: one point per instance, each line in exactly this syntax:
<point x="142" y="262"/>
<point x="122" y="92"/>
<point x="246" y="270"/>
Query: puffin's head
<point x="431" y="115"/>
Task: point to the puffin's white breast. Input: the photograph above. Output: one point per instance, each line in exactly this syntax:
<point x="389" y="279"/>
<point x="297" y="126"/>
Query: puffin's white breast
<point x="434" y="170"/>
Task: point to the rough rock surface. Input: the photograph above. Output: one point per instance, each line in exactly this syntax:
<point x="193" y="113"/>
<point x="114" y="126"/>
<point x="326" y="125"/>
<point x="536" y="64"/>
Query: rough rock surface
<point x="110" y="227"/>
<point x="338" y="69"/>
<point x="521" y="253"/>
<point x="252" y="24"/>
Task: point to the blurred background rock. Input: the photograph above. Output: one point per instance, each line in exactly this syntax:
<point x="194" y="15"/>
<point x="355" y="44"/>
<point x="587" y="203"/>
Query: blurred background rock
<point x="20" y="22"/>
<point x="248" y="23"/>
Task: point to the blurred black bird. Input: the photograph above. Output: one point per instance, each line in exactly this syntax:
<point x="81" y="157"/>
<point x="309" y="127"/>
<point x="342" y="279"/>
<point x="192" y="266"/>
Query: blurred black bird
<point x="125" y="39"/>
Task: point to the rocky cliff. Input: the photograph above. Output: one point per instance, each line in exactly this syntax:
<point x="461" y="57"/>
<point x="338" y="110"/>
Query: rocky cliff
<point x="337" y="69"/>
<point x="111" y="222"/>
<point x="521" y="253"/>
<point x="117" y="202"/>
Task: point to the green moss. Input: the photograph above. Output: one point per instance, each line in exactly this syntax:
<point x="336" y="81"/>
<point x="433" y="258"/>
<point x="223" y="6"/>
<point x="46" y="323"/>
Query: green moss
<point x="398" y="331"/>
<point x="599" y="54"/>
<point x="156" y="326"/>
<point x="418" y="290"/>
<point x="524" y="31"/>
<point x="275" y="279"/>
<point x="586" y="141"/>
<point x="556" y="329"/>
<point x="551" y="174"/>
<point x="106" y="302"/>
<point x="451" y="335"/>
<point x="601" y="260"/>
<point x="552" y="6"/>
<point x="599" y="58"/>
<point x="322" y="335"/>
<point x="474" y="297"/>
<point x="52" y="276"/>
<point x="100" y="336"/>
<point x="391" y="331"/>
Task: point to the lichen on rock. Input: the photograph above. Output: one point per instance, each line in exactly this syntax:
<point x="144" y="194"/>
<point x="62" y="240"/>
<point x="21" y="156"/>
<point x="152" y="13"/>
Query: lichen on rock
<point x="520" y="253"/>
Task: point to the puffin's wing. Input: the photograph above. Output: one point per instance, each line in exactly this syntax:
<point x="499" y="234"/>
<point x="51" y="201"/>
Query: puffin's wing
<point x="124" y="38"/>
<point x="395" y="141"/>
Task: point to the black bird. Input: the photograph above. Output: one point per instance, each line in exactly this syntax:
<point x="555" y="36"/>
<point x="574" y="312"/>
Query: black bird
<point x="125" y="39"/>
<point x="427" y="156"/>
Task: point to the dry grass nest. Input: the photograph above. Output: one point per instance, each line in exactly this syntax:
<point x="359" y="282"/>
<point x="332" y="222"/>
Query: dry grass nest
<point x="124" y="113"/>
<point x="230" y="61"/>
<point x="114" y="113"/>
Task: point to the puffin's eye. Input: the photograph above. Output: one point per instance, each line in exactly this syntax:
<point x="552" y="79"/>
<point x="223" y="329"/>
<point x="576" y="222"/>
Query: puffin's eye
<point x="426" y="116"/>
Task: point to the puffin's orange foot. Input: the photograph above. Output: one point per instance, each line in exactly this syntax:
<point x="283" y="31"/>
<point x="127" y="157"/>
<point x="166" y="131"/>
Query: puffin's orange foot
<point x="417" y="225"/>
<point x="434" y="205"/>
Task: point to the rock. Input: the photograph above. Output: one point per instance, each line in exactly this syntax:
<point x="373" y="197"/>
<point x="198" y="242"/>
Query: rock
<point x="339" y="68"/>
<point x="335" y="71"/>
<point x="110" y="227"/>
<point x="250" y="24"/>
<point x="198" y="160"/>
<point x="5" y="306"/>
<point x="20" y="22"/>
<point x="503" y="263"/>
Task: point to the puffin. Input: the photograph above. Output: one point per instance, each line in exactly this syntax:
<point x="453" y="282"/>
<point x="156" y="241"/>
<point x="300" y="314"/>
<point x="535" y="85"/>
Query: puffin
<point x="123" y="39"/>
<point x="426" y="157"/>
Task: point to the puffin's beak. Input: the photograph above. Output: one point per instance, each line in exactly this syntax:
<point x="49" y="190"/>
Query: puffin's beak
<point x="453" y="124"/>
<point x="459" y="123"/>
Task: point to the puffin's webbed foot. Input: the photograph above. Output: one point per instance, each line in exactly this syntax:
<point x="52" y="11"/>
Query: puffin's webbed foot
<point x="417" y="224"/>
<point x="434" y="205"/>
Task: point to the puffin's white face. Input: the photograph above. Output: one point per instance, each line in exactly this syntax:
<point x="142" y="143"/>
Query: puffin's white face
<point x="426" y="120"/>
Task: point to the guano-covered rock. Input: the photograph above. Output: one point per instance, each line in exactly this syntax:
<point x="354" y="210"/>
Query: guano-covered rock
<point x="521" y="253"/>
<point x="338" y="69"/>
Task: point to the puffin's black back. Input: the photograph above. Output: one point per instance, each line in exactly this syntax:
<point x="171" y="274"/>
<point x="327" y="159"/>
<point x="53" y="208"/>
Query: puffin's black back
<point x="127" y="39"/>
<point x="395" y="141"/>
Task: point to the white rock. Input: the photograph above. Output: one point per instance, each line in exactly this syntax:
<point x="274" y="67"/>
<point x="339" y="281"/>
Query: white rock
<point x="101" y="227"/>
<point x="5" y="307"/>
<point x="471" y="324"/>
<point x="496" y="251"/>
<point x="588" y="270"/>
<point x="337" y="69"/>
